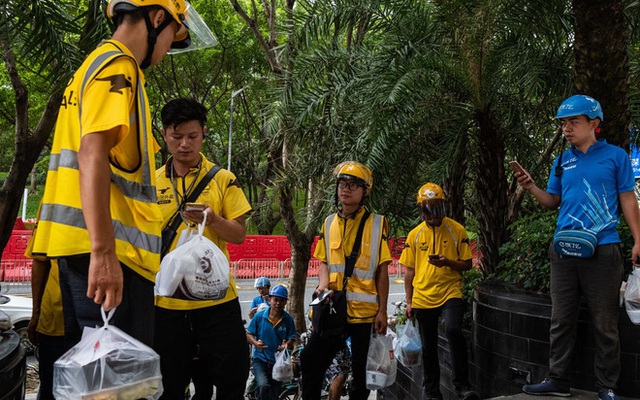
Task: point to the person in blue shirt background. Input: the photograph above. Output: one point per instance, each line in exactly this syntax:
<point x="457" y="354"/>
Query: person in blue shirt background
<point x="271" y="330"/>
<point x="590" y="184"/>
<point x="262" y="284"/>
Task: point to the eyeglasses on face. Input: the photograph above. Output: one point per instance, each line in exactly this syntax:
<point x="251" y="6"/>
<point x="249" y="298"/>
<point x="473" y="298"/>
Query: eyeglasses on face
<point x="350" y="185"/>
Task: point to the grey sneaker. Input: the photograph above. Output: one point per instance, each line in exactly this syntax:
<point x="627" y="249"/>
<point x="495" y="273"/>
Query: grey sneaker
<point x="547" y="388"/>
<point x="607" y="394"/>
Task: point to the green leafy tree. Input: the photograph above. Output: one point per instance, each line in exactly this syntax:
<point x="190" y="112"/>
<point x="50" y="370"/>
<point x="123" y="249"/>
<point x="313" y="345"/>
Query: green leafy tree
<point x="42" y="42"/>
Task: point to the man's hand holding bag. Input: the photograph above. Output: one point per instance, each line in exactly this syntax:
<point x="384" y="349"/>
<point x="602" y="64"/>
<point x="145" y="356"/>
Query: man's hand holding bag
<point x="329" y="317"/>
<point x="198" y="270"/>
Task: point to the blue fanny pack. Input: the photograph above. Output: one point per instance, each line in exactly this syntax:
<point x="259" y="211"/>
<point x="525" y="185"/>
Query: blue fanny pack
<point x="575" y="243"/>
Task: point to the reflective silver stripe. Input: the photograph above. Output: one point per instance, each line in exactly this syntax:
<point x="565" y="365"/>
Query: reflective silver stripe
<point x="144" y="191"/>
<point x="142" y="114"/>
<point x="376" y="234"/>
<point x="336" y="268"/>
<point x="65" y="159"/>
<point x="93" y="67"/>
<point x="364" y="274"/>
<point x="134" y="190"/>
<point x="327" y="243"/>
<point x="71" y="216"/>
<point x="376" y="230"/>
<point x="362" y="297"/>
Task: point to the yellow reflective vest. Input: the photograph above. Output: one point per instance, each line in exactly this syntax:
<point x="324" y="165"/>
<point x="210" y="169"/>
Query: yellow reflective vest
<point x="362" y="295"/>
<point x="106" y="92"/>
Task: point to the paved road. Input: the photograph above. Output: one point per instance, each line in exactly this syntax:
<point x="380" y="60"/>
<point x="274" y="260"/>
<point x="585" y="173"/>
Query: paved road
<point x="246" y="293"/>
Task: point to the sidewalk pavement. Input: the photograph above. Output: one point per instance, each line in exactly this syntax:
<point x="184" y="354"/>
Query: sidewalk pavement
<point x="575" y="395"/>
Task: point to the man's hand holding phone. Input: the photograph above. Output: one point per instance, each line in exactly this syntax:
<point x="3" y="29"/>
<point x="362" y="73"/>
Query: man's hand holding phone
<point x="523" y="177"/>
<point x="195" y="207"/>
<point x="195" y="212"/>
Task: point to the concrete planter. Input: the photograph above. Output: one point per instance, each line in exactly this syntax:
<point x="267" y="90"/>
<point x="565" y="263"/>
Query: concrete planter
<point x="509" y="346"/>
<point x="511" y="342"/>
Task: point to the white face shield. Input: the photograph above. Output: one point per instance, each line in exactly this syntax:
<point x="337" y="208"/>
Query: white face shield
<point x="194" y="34"/>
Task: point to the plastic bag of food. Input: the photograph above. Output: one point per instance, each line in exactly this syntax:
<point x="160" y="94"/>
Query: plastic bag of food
<point x="381" y="362"/>
<point x="198" y="269"/>
<point x="282" y="369"/>
<point x="632" y="296"/>
<point x="107" y="364"/>
<point x="409" y="347"/>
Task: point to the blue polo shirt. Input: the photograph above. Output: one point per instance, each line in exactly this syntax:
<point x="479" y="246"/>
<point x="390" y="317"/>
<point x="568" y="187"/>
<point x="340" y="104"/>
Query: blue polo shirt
<point x="271" y="335"/>
<point x="257" y="301"/>
<point x="589" y="188"/>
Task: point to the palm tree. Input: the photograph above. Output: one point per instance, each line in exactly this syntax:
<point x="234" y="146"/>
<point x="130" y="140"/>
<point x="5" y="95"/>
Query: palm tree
<point x="602" y="63"/>
<point x="442" y="91"/>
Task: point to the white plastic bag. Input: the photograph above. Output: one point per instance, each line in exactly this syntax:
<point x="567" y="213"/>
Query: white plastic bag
<point x="198" y="268"/>
<point x="409" y="347"/>
<point x="381" y="363"/>
<point x="107" y="364"/>
<point x="282" y="369"/>
<point x="632" y="296"/>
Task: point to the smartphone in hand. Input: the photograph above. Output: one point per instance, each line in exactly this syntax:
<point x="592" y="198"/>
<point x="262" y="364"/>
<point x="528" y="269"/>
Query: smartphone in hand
<point x="517" y="167"/>
<point x="195" y="207"/>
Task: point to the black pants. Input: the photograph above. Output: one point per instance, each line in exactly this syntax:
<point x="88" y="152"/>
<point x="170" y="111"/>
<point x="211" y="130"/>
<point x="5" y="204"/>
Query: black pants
<point x="134" y="315"/>
<point x="452" y="312"/>
<point x="320" y="351"/>
<point x="217" y="335"/>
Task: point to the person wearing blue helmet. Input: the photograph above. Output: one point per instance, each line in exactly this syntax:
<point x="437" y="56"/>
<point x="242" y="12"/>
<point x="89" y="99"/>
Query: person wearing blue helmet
<point x="262" y="284"/>
<point x="589" y="184"/>
<point x="270" y="330"/>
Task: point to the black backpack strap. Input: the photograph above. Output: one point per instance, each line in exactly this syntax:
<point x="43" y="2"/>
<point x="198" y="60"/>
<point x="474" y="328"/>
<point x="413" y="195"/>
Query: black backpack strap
<point x="350" y="261"/>
<point x="170" y="230"/>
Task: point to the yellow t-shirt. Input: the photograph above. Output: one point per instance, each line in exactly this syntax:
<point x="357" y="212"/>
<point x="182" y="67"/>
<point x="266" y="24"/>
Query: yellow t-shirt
<point x="433" y="286"/>
<point x="225" y="197"/>
<point x="51" y="321"/>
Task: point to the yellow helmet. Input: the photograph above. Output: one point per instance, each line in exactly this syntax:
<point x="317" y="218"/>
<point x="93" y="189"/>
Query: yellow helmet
<point x="354" y="170"/>
<point x="193" y="32"/>
<point x="430" y="191"/>
<point x="431" y="200"/>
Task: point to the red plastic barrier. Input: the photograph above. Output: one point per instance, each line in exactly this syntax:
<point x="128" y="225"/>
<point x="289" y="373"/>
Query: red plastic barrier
<point x="18" y="225"/>
<point x="16" y="270"/>
<point x="393" y="267"/>
<point x="16" y="245"/>
<point x="253" y="268"/>
<point x="314" y="266"/>
<point x="286" y="267"/>
<point x="396" y="245"/>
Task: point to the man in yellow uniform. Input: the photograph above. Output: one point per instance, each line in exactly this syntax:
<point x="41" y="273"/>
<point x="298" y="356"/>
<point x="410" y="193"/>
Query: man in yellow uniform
<point x="367" y="289"/>
<point x="211" y="329"/>
<point x="46" y="327"/>
<point x="100" y="217"/>
<point x="435" y="255"/>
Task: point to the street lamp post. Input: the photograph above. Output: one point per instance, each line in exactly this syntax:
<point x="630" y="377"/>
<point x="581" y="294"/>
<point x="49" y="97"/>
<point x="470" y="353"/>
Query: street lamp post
<point x="233" y="94"/>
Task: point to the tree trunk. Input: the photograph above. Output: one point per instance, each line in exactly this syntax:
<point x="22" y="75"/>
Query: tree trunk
<point x="455" y="180"/>
<point x="27" y="145"/>
<point x="602" y="63"/>
<point x="300" y="255"/>
<point x="491" y="186"/>
<point x="33" y="184"/>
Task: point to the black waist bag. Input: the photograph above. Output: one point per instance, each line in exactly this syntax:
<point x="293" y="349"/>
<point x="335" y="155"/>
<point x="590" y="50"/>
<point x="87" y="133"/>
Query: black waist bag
<point x="330" y="319"/>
